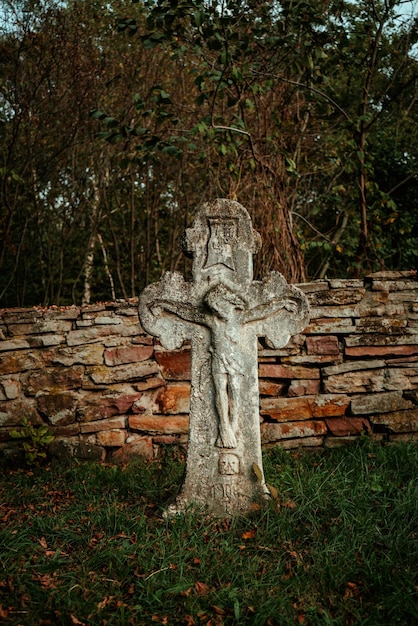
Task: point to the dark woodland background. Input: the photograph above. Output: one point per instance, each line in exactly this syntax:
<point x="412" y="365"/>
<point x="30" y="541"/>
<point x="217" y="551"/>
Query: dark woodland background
<point x="118" y="118"/>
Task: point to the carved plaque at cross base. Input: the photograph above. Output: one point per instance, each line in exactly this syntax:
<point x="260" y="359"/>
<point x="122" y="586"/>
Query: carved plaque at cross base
<point x="223" y="311"/>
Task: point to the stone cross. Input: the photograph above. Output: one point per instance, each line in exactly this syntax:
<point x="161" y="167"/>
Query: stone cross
<point x="223" y="311"/>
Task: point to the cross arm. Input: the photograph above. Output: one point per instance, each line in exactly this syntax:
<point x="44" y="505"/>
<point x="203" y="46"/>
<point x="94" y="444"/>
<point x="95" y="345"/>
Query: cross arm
<point x="184" y="310"/>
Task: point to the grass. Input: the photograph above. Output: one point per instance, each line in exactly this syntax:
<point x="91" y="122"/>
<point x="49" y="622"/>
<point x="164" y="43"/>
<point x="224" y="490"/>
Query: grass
<point x="88" y="545"/>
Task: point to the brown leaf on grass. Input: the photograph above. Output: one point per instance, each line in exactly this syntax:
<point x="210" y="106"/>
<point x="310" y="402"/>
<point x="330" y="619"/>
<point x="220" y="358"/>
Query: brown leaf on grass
<point x="43" y="543"/>
<point x="51" y="553"/>
<point x="218" y="610"/>
<point x="101" y="605"/>
<point x="249" y="534"/>
<point x="46" y="580"/>
<point x="76" y="621"/>
<point x="202" y="589"/>
<point x="290" y="504"/>
<point x="160" y="620"/>
<point x="4" y="613"/>
<point x="7" y="515"/>
<point x="351" y="591"/>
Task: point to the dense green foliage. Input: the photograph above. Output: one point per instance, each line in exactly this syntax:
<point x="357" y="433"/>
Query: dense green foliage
<point x="118" y="119"/>
<point x="88" y="545"/>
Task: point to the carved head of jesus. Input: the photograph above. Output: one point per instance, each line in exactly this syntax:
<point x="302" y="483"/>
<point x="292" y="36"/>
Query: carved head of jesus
<point x="223" y="301"/>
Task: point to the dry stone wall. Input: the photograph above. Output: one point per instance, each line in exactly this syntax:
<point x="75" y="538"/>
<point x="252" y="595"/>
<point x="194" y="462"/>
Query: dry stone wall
<point x="108" y="390"/>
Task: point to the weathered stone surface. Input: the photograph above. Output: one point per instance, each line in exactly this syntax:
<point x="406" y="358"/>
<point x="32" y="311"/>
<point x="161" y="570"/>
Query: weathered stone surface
<point x="146" y="404"/>
<point x="336" y="297"/>
<point x="97" y="333"/>
<point x="62" y="313"/>
<point x="54" y="379"/>
<point x="136" y="447"/>
<point x="344" y="426"/>
<point x="395" y="285"/>
<point x="352" y="366"/>
<point x="89" y="452"/>
<point x="323" y="345"/>
<point x="402" y="437"/>
<point x="334" y="326"/>
<point x="109" y="424"/>
<point x="303" y="388"/>
<point x="287" y="371"/>
<point x="103" y="405"/>
<point x="160" y="423"/>
<point x="392" y="275"/>
<point x="39" y="326"/>
<point x="106" y="320"/>
<point x="367" y="339"/>
<point x="314" y="287"/>
<point x="390" y="401"/>
<point x="398" y="421"/>
<point x="346" y="283"/>
<point x="119" y="373"/>
<point x="223" y="312"/>
<point x="304" y="407"/>
<point x="9" y="388"/>
<point x="68" y="430"/>
<point x="153" y="382"/>
<point x="380" y="325"/>
<point x="127" y="354"/>
<point x="311" y="359"/>
<point x="381" y="351"/>
<point x="111" y="438"/>
<point x="13" y="411"/>
<point x="175" y="364"/>
<point x="85" y="355"/>
<point x="372" y="380"/>
<point x="47" y="341"/>
<point x="173" y="399"/>
<point x="58" y="408"/>
<point x="292" y="430"/>
<point x="402" y="378"/>
<point x="20" y="314"/>
<point x="269" y="388"/>
<point x="14" y="344"/>
<point x="168" y="440"/>
<point x="144" y="340"/>
<point x="334" y="311"/>
<point x="20" y="362"/>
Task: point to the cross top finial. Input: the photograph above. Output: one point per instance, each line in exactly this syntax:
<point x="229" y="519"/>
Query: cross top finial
<point x="222" y="240"/>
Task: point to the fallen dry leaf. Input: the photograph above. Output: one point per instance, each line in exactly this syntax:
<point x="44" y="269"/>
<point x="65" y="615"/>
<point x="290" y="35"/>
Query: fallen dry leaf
<point x="201" y="588"/>
<point x="249" y="534"/>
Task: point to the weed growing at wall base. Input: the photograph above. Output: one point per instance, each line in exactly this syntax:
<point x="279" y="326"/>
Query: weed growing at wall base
<point x="88" y="545"/>
<point x="34" y="441"/>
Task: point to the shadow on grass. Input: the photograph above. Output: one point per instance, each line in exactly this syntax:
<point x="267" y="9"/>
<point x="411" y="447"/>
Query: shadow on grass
<point x="88" y="545"/>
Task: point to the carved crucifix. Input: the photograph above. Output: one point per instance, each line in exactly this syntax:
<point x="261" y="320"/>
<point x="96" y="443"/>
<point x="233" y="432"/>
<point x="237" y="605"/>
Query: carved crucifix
<point x="223" y="311"/>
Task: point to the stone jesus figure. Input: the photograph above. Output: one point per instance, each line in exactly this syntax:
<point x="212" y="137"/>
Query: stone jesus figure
<point x="229" y="312"/>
